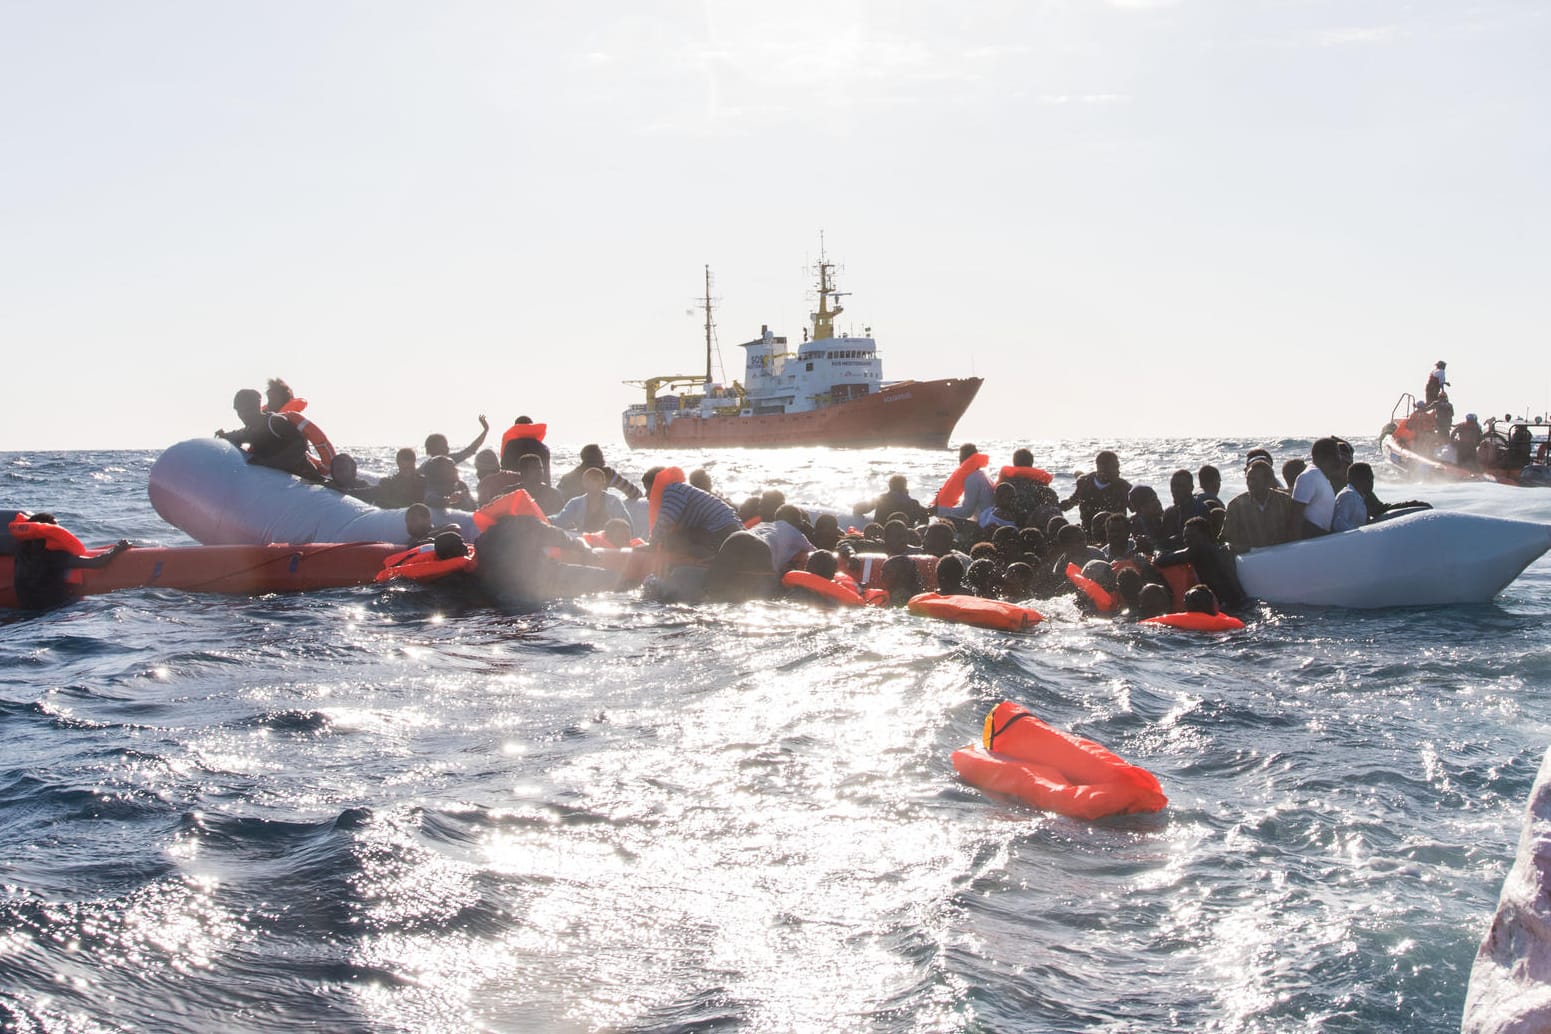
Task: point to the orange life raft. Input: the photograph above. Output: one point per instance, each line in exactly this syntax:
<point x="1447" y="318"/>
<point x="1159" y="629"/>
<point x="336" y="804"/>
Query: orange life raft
<point x="1022" y="757"/>
<point x="973" y="610"/>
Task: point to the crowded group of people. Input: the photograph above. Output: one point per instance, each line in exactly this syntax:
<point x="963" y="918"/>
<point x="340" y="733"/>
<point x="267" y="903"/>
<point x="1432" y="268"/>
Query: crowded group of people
<point x="1117" y="547"/>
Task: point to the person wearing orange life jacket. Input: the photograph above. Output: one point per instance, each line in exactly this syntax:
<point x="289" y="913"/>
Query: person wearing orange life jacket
<point x="280" y="400"/>
<point x="977" y="491"/>
<point x="687" y="520"/>
<point x="271" y="439"/>
<point x="43" y="555"/>
<point x="1037" y="501"/>
<point x="530" y="440"/>
<point x="1214" y="565"/>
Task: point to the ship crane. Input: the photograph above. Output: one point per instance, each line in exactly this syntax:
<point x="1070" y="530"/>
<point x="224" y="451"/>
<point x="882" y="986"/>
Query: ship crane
<point x="654" y="384"/>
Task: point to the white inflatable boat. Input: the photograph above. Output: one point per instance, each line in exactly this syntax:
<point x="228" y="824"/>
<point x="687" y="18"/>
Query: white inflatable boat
<point x="206" y="488"/>
<point x="1420" y="559"/>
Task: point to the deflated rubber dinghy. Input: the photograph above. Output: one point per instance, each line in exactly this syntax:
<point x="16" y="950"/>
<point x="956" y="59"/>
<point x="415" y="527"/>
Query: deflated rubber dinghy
<point x="1022" y="757"/>
<point x="206" y="488"/>
<point x="1421" y="559"/>
<point x="1510" y="983"/>
<point x="232" y="569"/>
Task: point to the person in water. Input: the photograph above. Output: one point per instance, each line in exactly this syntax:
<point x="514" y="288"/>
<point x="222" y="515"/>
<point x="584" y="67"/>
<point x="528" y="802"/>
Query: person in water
<point x="346" y="479"/>
<point x="783" y="535"/>
<point x="436" y="445"/>
<point x="1185" y="506"/>
<point x="536" y="483"/>
<point x="523" y="562"/>
<point x="619" y="533"/>
<point x="1146" y="517"/>
<point x="1152" y="601"/>
<point x="271" y="440"/>
<point x="570" y="483"/>
<point x="1213" y="564"/>
<point x="950" y="576"/>
<point x="443" y="489"/>
<point x="1004" y="512"/>
<point x="40" y="572"/>
<point x="1313" y="494"/>
<point x="403" y="488"/>
<point x="595" y="507"/>
<point x="1259" y="516"/>
<point x="896" y="500"/>
<point x="1199" y="599"/>
<point x="977" y="491"/>
<point x="689" y="520"/>
<point x="419" y="528"/>
<point x="1104" y="489"/>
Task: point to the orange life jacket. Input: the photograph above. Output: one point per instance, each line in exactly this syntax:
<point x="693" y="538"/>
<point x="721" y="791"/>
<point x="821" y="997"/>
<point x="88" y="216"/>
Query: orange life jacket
<point x="1181" y="578"/>
<point x="516" y="431"/>
<point x="513" y="504"/>
<point x="830" y="589"/>
<point x="1022" y="757"/>
<point x="1044" y="477"/>
<point x="952" y="491"/>
<point x="324" y="452"/>
<point x="419" y="563"/>
<point x="973" y="610"/>
<point x="23" y="529"/>
<point x="1102" y="598"/>
<point x="1195" y="621"/>
<point x="665" y="477"/>
<point x="867" y="568"/>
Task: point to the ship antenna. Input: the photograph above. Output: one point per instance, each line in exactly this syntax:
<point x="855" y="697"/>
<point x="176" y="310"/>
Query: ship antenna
<point x="708" y="325"/>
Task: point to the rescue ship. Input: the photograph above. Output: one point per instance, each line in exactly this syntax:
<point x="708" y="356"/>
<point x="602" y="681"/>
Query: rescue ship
<point x="830" y="391"/>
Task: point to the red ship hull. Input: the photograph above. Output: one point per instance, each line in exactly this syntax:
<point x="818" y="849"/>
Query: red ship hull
<point x="919" y="414"/>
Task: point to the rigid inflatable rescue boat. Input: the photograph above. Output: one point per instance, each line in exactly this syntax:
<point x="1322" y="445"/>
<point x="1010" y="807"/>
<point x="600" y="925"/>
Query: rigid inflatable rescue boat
<point x="206" y="488"/>
<point x="1020" y="756"/>
<point x="1425" y="558"/>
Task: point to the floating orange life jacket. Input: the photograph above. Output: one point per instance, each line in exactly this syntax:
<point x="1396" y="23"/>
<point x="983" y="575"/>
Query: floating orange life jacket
<point x="419" y="563"/>
<point x="1022" y="757"/>
<point x="973" y="610"/>
<point x="830" y="589"/>
<point x="323" y="450"/>
<point x="952" y="491"/>
<point x="1195" y="621"/>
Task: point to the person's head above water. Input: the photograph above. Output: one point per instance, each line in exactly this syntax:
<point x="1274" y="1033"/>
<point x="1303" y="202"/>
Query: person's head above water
<point x="486" y="462"/>
<point x="436" y="445"/>
<point x="343" y="468"/>
<point x="1144" y="500"/>
<point x="1106" y="465"/>
<point x="1117" y="532"/>
<point x="1200" y="600"/>
<point x="1182" y="487"/>
<point x="1210" y="479"/>
<point x="938" y="539"/>
<point x="1198" y="532"/>
<point x="531" y="467"/>
<point x="450" y="544"/>
<point x="441" y="474"/>
<point x="700" y="478"/>
<point x="822" y="563"/>
<point x="1152" y="601"/>
<point x="1006" y="496"/>
<point x="616" y="532"/>
<point x="405" y="458"/>
<point x="417" y="520"/>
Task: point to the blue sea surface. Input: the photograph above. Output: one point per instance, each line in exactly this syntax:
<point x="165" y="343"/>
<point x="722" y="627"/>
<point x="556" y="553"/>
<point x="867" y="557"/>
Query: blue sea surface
<point x="387" y="809"/>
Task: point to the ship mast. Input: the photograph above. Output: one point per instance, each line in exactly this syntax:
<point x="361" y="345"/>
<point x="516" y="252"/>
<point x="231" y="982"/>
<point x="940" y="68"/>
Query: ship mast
<point x="708" y="326"/>
<point x="824" y="319"/>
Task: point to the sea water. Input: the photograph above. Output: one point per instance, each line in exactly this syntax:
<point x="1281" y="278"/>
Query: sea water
<point x="388" y="809"/>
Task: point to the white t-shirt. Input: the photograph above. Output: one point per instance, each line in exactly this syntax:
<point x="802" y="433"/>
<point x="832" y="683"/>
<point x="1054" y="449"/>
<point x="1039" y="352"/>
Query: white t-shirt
<point x="1313" y="489"/>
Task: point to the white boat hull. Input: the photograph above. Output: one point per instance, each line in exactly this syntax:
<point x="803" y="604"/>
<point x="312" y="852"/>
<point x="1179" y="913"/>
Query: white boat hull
<point x="205" y="488"/>
<point x="1421" y="559"/>
<point x="1510" y="983"/>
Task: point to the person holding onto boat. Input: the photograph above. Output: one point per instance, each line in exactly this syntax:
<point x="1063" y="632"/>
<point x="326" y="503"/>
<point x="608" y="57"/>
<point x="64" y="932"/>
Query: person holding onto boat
<point x="403" y="488"/>
<point x="443" y="488"/>
<point x="271" y="439"/>
<point x="896" y="500"/>
<point x="1104" y="489"/>
<point x="1260" y="515"/>
<point x="788" y="545"/>
<point x="346" y="479"/>
<point x="1435" y="382"/>
<point x="1313" y="495"/>
<point x="436" y="445"/>
<point x="418" y="527"/>
<point x="1213" y="564"/>
<point x="688" y="520"/>
<point x="570" y="483"/>
<point x="43" y="554"/>
<point x="594" y="507"/>
<point x="1359" y="480"/>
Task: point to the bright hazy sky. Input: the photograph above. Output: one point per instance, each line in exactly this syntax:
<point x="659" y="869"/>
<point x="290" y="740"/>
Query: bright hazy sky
<point x="1202" y="217"/>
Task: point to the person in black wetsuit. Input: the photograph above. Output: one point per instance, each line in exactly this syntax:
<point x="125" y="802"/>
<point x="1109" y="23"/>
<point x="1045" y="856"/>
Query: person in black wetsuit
<point x="271" y="440"/>
<point x="40" y="574"/>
